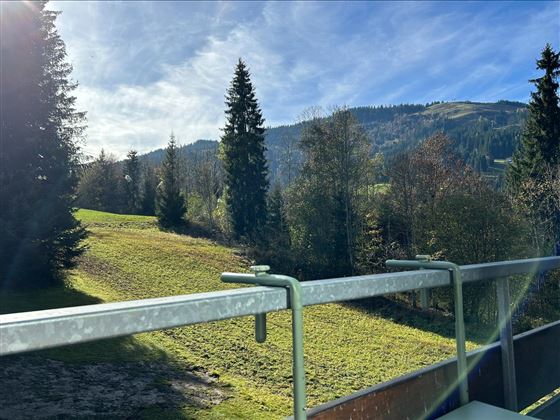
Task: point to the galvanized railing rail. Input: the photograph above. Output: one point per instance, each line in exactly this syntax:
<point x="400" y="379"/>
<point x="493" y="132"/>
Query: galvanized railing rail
<point x="26" y="331"/>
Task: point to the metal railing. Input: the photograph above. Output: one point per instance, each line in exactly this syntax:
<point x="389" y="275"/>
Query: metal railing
<point x="27" y="331"/>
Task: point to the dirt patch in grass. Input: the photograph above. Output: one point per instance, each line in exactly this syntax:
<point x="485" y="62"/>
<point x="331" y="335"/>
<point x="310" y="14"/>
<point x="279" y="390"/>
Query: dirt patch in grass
<point x="34" y="387"/>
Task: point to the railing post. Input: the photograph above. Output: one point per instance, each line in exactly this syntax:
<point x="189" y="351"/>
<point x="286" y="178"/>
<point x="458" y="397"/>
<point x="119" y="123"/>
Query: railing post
<point x="424" y="298"/>
<point x="424" y="293"/>
<point x="262" y="278"/>
<point x="425" y="261"/>
<point x="506" y="344"/>
<point x="463" y="372"/>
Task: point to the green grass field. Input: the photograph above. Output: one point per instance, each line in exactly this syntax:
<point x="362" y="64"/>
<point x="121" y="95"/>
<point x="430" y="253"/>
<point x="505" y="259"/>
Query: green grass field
<point x="346" y="347"/>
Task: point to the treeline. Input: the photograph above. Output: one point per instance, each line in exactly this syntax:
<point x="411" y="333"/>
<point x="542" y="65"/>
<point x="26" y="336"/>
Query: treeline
<point x="134" y="185"/>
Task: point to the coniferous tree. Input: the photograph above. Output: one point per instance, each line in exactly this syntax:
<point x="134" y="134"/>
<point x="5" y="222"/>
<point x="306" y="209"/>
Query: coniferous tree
<point x="170" y="202"/>
<point x="242" y="153"/>
<point x="274" y="248"/>
<point x="132" y="182"/>
<point x="149" y="191"/>
<point x="540" y="145"/>
<point x="39" y="125"/>
<point x="98" y="188"/>
<point x="539" y="155"/>
<point x="277" y="230"/>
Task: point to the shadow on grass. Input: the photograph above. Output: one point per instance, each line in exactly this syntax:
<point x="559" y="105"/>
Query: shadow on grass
<point x="198" y="230"/>
<point x="120" y="348"/>
<point x="118" y="377"/>
<point x="429" y="320"/>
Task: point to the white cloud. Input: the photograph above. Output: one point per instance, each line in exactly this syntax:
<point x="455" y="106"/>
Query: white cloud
<point x="146" y="69"/>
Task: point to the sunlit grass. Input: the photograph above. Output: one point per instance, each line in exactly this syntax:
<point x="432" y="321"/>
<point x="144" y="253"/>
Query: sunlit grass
<point x="346" y="348"/>
<point x="95" y="218"/>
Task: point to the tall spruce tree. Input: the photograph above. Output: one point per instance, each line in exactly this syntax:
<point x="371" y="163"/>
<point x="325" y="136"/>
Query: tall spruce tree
<point x="243" y="157"/>
<point x="170" y="202"/>
<point x="39" y="125"/>
<point x="131" y="173"/>
<point x="539" y="156"/>
<point x="540" y="145"/>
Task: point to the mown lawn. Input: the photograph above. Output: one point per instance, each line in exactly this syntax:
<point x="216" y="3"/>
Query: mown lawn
<point x="346" y="348"/>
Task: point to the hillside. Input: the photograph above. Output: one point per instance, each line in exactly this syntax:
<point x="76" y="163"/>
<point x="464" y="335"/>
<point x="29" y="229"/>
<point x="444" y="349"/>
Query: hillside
<point x="212" y="370"/>
<point x="482" y="132"/>
<point x="155" y="157"/>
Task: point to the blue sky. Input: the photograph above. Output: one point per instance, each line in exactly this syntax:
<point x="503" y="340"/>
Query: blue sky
<point x="147" y="68"/>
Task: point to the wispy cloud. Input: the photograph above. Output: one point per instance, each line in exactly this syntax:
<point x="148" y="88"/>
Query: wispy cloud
<point x="148" y="68"/>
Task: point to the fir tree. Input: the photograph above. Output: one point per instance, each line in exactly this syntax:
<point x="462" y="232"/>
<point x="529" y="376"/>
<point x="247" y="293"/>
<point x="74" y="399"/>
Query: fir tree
<point x="243" y="156"/>
<point x="274" y="247"/>
<point x="39" y="125"/>
<point x="540" y="144"/>
<point x="170" y="203"/>
<point x="132" y="182"/>
<point x="538" y="155"/>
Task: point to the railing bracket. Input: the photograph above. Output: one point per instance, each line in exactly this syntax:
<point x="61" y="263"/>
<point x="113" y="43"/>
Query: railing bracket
<point x="262" y="278"/>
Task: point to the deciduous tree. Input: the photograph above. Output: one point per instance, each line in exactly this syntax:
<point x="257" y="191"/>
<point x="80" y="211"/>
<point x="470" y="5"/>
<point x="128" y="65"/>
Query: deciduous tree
<point x="99" y="186"/>
<point x="149" y="185"/>
<point x="437" y="205"/>
<point x="325" y="201"/>
<point x="208" y="183"/>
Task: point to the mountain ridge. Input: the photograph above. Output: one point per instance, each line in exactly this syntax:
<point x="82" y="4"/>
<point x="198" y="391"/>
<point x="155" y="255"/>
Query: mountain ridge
<point x="482" y="132"/>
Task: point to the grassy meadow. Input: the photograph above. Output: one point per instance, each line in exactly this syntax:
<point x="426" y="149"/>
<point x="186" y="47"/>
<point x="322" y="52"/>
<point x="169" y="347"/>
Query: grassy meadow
<point x="346" y="347"/>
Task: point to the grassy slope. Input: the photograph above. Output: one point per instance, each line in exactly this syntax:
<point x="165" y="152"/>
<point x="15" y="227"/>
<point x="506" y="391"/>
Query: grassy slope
<point x="471" y="110"/>
<point x="129" y="258"/>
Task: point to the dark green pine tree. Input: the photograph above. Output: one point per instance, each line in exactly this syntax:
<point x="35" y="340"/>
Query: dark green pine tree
<point x="170" y="203"/>
<point x="277" y="231"/>
<point x="131" y="174"/>
<point x="274" y="248"/>
<point x="540" y="143"/>
<point x="39" y="234"/>
<point x="243" y="157"/>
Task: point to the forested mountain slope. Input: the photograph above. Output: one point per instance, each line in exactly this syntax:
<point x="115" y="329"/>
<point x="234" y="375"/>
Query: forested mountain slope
<point x="482" y="132"/>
